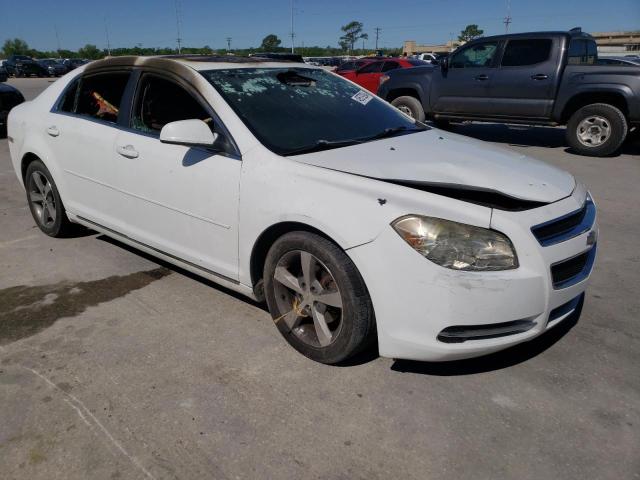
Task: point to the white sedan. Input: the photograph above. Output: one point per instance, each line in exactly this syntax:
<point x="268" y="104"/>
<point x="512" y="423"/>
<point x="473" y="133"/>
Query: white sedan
<point x="289" y="184"/>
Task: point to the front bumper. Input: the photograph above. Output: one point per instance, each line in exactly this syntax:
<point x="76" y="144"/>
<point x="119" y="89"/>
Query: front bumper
<point x="416" y="300"/>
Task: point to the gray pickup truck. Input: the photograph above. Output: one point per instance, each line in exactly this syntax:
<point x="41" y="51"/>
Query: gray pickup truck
<point x="541" y="78"/>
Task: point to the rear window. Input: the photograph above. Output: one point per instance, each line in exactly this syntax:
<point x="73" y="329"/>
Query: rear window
<point x="100" y="95"/>
<point x="582" y="52"/>
<point x="520" y="53"/>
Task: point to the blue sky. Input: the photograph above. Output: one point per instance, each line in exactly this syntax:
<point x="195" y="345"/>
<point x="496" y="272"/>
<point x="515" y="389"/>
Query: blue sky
<point x="152" y="23"/>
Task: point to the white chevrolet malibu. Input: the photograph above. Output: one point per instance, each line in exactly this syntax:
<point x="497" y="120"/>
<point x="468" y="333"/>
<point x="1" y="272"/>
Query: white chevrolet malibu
<point x="289" y="184"/>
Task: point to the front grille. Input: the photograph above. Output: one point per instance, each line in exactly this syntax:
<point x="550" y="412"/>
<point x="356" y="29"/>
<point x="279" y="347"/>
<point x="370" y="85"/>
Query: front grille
<point x="574" y="270"/>
<point x="462" y="333"/>
<point x="567" y="226"/>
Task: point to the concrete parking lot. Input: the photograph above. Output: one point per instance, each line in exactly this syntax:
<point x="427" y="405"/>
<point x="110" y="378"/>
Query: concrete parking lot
<point x="116" y="366"/>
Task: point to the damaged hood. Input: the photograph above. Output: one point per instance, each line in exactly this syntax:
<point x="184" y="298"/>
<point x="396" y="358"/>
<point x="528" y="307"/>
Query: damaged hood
<point x="438" y="158"/>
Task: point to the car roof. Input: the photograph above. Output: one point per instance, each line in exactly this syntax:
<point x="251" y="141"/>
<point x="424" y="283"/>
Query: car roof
<point x="576" y="33"/>
<point x="196" y="62"/>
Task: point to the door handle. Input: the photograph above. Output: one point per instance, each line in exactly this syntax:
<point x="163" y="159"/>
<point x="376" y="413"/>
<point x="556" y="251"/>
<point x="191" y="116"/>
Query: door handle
<point x="539" y="76"/>
<point x="53" y="131"/>
<point x="482" y="77"/>
<point x="127" y="151"/>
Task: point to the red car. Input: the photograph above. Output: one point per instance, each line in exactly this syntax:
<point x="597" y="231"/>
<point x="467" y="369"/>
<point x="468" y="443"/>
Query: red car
<point x="369" y="75"/>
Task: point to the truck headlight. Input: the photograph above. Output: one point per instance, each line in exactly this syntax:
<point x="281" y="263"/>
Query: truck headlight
<point x="456" y="245"/>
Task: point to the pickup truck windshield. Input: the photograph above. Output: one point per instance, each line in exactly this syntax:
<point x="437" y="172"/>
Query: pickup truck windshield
<point x="299" y="110"/>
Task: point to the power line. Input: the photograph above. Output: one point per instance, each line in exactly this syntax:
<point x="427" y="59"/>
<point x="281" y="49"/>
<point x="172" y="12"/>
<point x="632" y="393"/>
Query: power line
<point x="292" y="32"/>
<point x="507" y="19"/>
<point x="106" y="31"/>
<point x="179" y="40"/>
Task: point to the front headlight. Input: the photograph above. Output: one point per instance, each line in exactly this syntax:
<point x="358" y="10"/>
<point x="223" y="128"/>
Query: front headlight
<point x="456" y="245"/>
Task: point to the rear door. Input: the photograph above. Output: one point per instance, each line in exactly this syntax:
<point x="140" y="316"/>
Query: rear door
<point x="464" y="87"/>
<point x="524" y="84"/>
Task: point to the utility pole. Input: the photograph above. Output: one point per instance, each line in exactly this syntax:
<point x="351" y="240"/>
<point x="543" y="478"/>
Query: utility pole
<point x="55" y="27"/>
<point x="106" y="31"/>
<point x="179" y="39"/>
<point x="362" y="45"/>
<point x="228" y="44"/>
<point x="292" y="33"/>
<point x="507" y="19"/>
<point x="377" y="36"/>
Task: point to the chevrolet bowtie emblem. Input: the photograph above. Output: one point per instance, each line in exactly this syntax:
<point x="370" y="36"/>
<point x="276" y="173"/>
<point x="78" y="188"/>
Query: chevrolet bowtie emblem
<point x="592" y="237"/>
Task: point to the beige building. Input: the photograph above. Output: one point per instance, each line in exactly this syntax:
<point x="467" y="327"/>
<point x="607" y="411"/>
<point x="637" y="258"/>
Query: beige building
<point x="618" y="43"/>
<point x="411" y="47"/>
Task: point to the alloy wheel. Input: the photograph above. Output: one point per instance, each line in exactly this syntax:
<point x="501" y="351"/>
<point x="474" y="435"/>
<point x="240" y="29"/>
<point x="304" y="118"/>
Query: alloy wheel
<point x="42" y="199"/>
<point x="308" y="296"/>
<point x="593" y="131"/>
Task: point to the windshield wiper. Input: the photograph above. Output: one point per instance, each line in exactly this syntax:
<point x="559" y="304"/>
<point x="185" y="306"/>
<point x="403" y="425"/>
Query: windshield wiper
<point x="323" y="144"/>
<point x="329" y="144"/>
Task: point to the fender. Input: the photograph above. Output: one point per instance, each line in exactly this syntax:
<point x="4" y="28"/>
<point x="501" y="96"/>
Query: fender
<point x="632" y="101"/>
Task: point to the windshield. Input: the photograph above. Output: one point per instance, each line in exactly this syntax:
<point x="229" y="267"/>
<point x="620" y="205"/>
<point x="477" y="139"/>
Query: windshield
<point x="298" y="110"/>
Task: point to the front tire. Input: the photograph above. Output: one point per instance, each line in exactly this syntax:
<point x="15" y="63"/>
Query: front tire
<point x="597" y="130"/>
<point x="317" y="298"/>
<point x="410" y="106"/>
<point x="44" y="201"/>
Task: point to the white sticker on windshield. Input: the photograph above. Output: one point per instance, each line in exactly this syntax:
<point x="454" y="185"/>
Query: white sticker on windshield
<point x="362" y="97"/>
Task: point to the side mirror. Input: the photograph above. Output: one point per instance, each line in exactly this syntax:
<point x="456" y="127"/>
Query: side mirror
<point x="191" y="133"/>
<point x="444" y="63"/>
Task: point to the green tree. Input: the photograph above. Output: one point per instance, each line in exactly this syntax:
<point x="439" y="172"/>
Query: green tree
<point x="270" y="42"/>
<point x="91" y="52"/>
<point x="352" y="33"/>
<point x="15" y="46"/>
<point x="470" y="32"/>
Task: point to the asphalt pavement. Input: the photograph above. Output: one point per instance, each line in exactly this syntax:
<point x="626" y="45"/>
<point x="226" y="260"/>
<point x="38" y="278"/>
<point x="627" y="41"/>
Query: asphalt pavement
<point x="116" y="366"/>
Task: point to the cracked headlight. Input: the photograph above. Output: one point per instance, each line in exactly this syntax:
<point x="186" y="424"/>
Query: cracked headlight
<point x="456" y="245"/>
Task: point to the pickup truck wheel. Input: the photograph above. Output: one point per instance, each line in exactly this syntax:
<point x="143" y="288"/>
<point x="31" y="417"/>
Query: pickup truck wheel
<point x="411" y="106"/>
<point x="317" y="298"/>
<point x="597" y="130"/>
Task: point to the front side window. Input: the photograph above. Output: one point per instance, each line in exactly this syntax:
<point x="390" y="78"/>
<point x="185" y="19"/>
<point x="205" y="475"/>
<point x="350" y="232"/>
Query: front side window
<point x="475" y="56"/>
<point x="520" y="53"/>
<point x="296" y="110"/>
<point x="160" y="101"/>
<point x="100" y="95"/>
<point x="582" y="52"/>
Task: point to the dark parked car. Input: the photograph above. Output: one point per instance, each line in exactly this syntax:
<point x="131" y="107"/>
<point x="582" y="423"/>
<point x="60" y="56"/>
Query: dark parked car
<point x="23" y="66"/>
<point x="3" y="73"/>
<point x="53" y="67"/>
<point x="9" y="98"/>
<point x="73" y="63"/>
<point x="543" y="78"/>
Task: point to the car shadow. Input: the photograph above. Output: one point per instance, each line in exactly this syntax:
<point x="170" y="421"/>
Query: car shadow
<point x="531" y="136"/>
<point x="495" y="361"/>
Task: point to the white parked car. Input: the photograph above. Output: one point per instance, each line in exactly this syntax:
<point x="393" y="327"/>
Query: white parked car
<point x="288" y="183"/>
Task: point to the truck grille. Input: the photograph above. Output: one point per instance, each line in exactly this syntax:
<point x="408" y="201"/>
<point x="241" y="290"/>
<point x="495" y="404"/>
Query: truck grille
<point x="573" y="270"/>
<point x="566" y="227"/>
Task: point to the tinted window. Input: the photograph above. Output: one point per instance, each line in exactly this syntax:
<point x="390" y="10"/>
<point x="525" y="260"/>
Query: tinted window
<point x="390" y="66"/>
<point x="100" y="95"/>
<point x="479" y="55"/>
<point x="289" y="109"/>
<point x="374" y="67"/>
<point x="161" y="101"/>
<point x="347" y="66"/>
<point x="582" y="52"/>
<point x="526" y="52"/>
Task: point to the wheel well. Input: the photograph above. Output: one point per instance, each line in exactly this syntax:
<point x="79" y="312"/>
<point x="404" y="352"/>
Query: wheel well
<point x="268" y="238"/>
<point x="402" y="92"/>
<point x="584" y="99"/>
<point x="26" y="160"/>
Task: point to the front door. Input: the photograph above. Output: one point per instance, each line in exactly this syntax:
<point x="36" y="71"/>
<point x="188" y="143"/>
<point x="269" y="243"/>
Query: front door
<point x="179" y="200"/>
<point x="463" y="88"/>
<point x="525" y="82"/>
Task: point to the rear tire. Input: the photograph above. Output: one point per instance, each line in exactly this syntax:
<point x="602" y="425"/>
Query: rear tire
<point x="410" y="106"/>
<point x="597" y="130"/>
<point x="328" y="332"/>
<point x="45" y="202"/>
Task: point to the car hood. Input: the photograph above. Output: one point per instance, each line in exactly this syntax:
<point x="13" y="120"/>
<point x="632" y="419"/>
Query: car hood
<point x="445" y="159"/>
